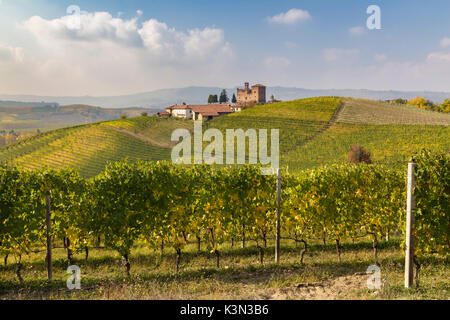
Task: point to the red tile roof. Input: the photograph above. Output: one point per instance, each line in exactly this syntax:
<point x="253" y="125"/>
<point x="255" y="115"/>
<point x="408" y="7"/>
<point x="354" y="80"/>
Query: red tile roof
<point x="182" y="106"/>
<point x="207" y="109"/>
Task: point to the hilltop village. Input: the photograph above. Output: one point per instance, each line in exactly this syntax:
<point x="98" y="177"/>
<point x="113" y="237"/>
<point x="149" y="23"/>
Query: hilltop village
<point x="246" y="97"/>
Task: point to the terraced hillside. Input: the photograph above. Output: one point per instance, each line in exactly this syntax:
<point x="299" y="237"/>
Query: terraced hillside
<point x="313" y="132"/>
<point x="299" y="121"/>
<point x="375" y="112"/>
<point x="88" y="148"/>
<point x="391" y="133"/>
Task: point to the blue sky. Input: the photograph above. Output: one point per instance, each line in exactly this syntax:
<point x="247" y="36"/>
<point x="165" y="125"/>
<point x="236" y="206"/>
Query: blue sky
<point x="133" y="46"/>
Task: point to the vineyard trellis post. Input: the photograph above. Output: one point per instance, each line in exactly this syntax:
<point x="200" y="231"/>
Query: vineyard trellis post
<point x="410" y="205"/>
<point x="48" y="235"/>
<point x="278" y="225"/>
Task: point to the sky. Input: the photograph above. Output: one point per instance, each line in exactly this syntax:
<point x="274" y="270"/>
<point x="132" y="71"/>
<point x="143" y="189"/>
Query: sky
<point x="101" y="48"/>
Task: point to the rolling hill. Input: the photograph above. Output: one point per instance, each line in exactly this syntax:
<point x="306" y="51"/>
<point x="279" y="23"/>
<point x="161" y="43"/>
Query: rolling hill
<point x="25" y="117"/>
<point x="313" y="132"/>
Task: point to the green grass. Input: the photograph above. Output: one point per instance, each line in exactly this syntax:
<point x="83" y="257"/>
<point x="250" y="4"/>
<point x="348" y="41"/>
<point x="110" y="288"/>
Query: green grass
<point x="310" y="137"/>
<point x="298" y="120"/>
<point x="239" y="277"/>
<point x="389" y="144"/>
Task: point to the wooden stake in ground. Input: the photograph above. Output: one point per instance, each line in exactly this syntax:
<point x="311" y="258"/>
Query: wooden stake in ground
<point x="48" y="234"/>
<point x="278" y="227"/>
<point x="410" y="205"/>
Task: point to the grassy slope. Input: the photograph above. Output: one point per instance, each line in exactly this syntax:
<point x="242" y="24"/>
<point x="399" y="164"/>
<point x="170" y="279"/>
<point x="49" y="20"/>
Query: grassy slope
<point x="388" y="144"/>
<point x="88" y="148"/>
<point x="392" y="133"/>
<point x="374" y="112"/>
<point x="310" y="135"/>
<point x="298" y="120"/>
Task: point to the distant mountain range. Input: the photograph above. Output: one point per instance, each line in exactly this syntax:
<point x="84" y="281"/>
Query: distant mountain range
<point x="159" y="99"/>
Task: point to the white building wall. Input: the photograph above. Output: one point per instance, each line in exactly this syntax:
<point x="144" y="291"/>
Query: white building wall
<point x="182" y="113"/>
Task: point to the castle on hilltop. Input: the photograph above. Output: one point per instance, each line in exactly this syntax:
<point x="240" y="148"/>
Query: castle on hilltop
<point x="257" y="94"/>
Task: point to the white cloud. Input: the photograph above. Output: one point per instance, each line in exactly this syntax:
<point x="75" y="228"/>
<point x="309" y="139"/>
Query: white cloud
<point x="155" y="37"/>
<point x="290" y="17"/>
<point x="139" y="12"/>
<point x="445" y="42"/>
<point x="11" y="54"/>
<point x="110" y="55"/>
<point x="357" y="31"/>
<point x="93" y="27"/>
<point x="335" y="54"/>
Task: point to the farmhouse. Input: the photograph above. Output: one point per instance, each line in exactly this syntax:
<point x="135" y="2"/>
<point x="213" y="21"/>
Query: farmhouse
<point x="200" y="112"/>
<point x="257" y="94"/>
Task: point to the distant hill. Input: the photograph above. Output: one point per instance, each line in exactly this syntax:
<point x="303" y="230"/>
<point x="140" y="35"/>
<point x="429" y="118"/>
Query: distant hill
<point x="159" y="99"/>
<point x="18" y="104"/>
<point x="20" y="116"/>
<point x="313" y="132"/>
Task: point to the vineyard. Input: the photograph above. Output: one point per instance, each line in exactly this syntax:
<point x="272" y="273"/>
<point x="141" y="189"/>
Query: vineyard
<point x="313" y="132"/>
<point x="138" y="206"/>
<point x="88" y="148"/>
<point x="373" y="112"/>
<point x="320" y="131"/>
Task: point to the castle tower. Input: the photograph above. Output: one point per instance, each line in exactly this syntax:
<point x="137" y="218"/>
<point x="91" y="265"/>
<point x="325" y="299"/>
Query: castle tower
<point x="257" y="94"/>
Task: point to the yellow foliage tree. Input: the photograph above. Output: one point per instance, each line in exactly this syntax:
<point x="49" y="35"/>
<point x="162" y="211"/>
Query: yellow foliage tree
<point x="445" y="107"/>
<point x="420" y="102"/>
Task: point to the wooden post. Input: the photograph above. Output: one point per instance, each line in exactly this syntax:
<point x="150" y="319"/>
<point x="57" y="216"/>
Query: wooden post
<point x="48" y="234"/>
<point x="410" y="205"/>
<point x="278" y="226"/>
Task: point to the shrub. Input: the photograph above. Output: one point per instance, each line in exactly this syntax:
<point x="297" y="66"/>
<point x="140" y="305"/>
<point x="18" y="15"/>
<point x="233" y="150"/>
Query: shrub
<point x="445" y="107"/>
<point x="358" y="154"/>
<point x="400" y="101"/>
<point x="422" y="103"/>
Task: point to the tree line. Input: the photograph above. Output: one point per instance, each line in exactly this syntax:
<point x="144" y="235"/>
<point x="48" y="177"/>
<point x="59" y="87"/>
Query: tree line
<point x="223" y="98"/>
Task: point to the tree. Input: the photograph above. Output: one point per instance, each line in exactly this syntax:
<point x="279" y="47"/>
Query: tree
<point x="445" y="107"/>
<point x="213" y="98"/>
<point x="144" y="114"/>
<point x="422" y="103"/>
<point x="400" y="101"/>
<point x="223" y="97"/>
<point x="234" y="100"/>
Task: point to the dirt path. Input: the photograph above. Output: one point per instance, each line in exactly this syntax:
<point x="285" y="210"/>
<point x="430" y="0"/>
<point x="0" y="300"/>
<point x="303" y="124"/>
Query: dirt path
<point x="330" y="123"/>
<point x="338" y="288"/>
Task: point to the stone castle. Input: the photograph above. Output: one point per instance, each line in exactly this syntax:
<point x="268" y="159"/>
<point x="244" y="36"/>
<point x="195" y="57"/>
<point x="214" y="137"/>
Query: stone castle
<point x="257" y="94"/>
